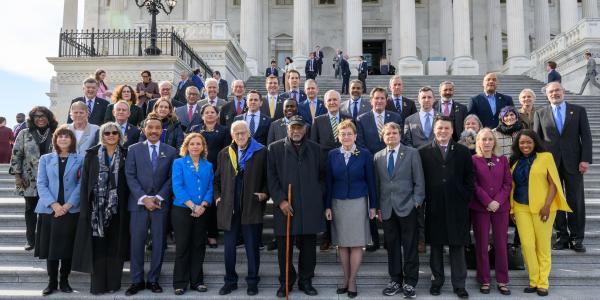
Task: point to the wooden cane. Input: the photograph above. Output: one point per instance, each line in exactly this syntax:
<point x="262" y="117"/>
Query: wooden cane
<point x="287" y="244"/>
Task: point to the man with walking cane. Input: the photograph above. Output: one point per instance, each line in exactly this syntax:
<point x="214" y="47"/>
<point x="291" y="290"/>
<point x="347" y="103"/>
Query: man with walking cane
<point x="298" y="162"/>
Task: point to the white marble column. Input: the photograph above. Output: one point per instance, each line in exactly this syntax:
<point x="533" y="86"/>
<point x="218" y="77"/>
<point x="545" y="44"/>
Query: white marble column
<point x="494" y="36"/>
<point x="250" y="16"/>
<point x="446" y="32"/>
<point x="70" y="15"/>
<point x="568" y="14"/>
<point x="590" y="8"/>
<point x="542" y="23"/>
<point x="194" y="10"/>
<point x="221" y="10"/>
<point x="208" y="9"/>
<point x="302" y="43"/>
<point x="395" y="33"/>
<point x="91" y="15"/>
<point x="463" y="63"/>
<point x="353" y="30"/>
<point x="409" y="63"/>
<point x="518" y="62"/>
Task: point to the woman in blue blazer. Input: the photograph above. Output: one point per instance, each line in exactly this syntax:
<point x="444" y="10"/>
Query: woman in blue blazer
<point x="350" y="182"/>
<point x="192" y="179"/>
<point x="58" y="208"/>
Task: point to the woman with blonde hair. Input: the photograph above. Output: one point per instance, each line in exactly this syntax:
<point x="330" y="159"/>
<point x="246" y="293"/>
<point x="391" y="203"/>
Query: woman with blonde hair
<point x="527" y="99"/>
<point x="126" y="93"/>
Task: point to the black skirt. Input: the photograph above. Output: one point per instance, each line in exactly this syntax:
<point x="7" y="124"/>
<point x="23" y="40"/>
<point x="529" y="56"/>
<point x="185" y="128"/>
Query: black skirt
<point x="55" y="236"/>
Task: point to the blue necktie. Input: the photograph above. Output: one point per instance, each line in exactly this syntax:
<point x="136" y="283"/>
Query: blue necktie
<point x="123" y="129"/>
<point x="559" y="121"/>
<point x="252" y="125"/>
<point x="427" y="127"/>
<point x="355" y="110"/>
<point x="90" y="106"/>
<point x="295" y="95"/>
<point x="154" y="158"/>
<point x="391" y="163"/>
<point x="398" y="105"/>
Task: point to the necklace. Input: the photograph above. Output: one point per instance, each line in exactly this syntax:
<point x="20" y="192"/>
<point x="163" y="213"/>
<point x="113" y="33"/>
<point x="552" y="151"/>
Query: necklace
<point x="63" y="159"/>
<point x="44" y="136"/>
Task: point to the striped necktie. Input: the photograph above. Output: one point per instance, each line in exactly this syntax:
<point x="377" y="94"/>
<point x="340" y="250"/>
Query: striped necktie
<point x="334" y="126"/>
<point x="379" y="124"/>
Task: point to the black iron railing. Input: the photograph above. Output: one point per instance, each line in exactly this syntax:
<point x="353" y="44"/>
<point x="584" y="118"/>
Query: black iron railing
<point x="103" y="43"/>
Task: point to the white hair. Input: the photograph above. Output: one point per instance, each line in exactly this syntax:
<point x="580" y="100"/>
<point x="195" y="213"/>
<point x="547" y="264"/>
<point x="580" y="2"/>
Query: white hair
<point x="239" y="123"/>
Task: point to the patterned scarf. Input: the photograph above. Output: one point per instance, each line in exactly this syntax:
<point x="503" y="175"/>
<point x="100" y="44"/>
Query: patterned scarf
<point x="106" y="202"/>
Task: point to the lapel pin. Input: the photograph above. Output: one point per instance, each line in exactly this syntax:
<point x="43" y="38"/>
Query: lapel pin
<point x="571" y="112"/>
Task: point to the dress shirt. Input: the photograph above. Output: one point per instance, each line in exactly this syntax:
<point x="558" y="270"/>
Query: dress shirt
<point x="351" y="105"/>
<point x="442" y="106"/>
<point x="123" y="128"/>
<point x="376" y="116"/>
<point x="396" y="99"/>
<point x="193" y="107"/>
<point x="256" y="118"/>
<point x="395" y="154"/>
<point x="563" y="112"/>
<point x="214" y="101"/>
<point x="347" y="154"/>
<point x="296" y="96"/>
<point x="87" y="100"/>
<point x="423" y="117"/>
<point x="492" y="101"/>
<point x="141" y="200"/>
<point x="337" y="116"/>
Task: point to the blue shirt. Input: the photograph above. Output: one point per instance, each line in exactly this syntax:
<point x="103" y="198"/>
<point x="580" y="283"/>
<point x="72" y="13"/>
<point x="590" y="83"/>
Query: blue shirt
<point x="492" y="101"/>
<point x="521" y="179"/>
<point x="563" y="112"/>
<point x="423" y="117"/>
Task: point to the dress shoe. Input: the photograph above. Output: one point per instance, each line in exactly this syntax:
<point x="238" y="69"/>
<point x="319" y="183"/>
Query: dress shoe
<point x="352" y="294"/>
<point x="281" y="291"/>
<point x="252" y="290"/>
<point x="213" y="246"/>
<point x="372" y="248"/>
<point x="29" y="247"/>
<point x="542" y="292"/>
<point x="325" y="245"/>
<point x="307" y="288"/>
<point x="434" y="290"/>
<point x="560" y="245"/>
<point x="154" y="287"/>
<point x="578" y="247"/>
<point x="228" y="288"/>
<point x="272" y="245"/>
<point x="200" y="288"/>
<point x="65" y="287"/>
<point x="529" y="290"/>
<point x="134" y="288"/>
<point x="461" y="293"/>
<point x="341" y="291"/>
<point x="49" y="289"/>
<point x="421" y="247"/>
<point x="179" y="292"/>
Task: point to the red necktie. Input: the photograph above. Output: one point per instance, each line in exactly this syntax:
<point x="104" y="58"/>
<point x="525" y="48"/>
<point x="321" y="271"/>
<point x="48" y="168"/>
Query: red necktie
<point x="238" y="108"/>
<point x="446" y="110"/>
<point x="190" y="112"/>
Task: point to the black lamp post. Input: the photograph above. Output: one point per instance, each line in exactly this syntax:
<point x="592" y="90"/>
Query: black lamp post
<point x="154" y="7"/>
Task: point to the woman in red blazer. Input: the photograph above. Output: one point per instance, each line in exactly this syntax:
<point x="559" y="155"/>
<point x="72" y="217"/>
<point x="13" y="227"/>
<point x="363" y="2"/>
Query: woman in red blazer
<point x="493" y="183"/>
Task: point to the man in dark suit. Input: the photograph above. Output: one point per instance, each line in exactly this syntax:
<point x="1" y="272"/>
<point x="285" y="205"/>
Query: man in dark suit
<point x="398" y="103"/>
<point x="189" y="115"/>
<point x="565" y="131"/>
<point x="278" y="128"/>
<point x="324" y="132"/>
<point x="369" y="127"/>
<point x="344" y="68"/>
<point x="235" y="107"/>
<point x="590" y="73"/>
<point x="450" y="108"/>
<point x="148" y="172"/>
<point x="164" y="88"/>
<point x="294" y="84"/>
<point x="355" y="106"/>
<point x="131" y="134"/>
<point x="449" y="186"/>
<point x="182" y="86"/>
<point x="310" y="69"/>
<point x="96" y="106"/>
<point x="259" y="124"/>
<point x="363" y="71"/>
<point x="553" y="75"/>
<point x="487" y="105"/>
<point x="312" y="107"/>
<point x="272" y="70"/>
<point x="272" y="105"/>
<point x="223" y="85"/>
<point x="319" y="59"/>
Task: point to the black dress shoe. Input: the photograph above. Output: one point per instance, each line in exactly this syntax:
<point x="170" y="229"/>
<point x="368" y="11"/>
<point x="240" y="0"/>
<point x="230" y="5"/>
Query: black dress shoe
<point x="134" y="288"/>
<point x="372" y="248"/>
<point x="308" y="289"/>
<point x="29" y="247"/>
<point x="341" y="291"/>
<point x="461" y="293"/>
<point x="281" y="291"/>
<point x="529" y="290"/>
<point x="352" y="294"/>
<point x="65" y="287"/>
<point x="154" y="287"/>
<point x="542" y="292"/>
<point x="560" y="245"/>
<point x="578" y="247"/>
<point x="434" y="290"/>
<point x="200" y="288"/>
<point x="179" y="292"/>
<point x="252" y="290"/>
<point x="228" y="288"/>
<point x="49" y="289"/>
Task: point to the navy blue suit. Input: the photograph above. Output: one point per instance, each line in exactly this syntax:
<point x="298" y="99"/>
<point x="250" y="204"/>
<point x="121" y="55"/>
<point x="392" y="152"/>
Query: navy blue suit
<point x="368" y="136"/>
<point x="271" y="71"/>
<point x="480" y="106"/>
<point x="304" y="110"/>
<point x="144" y="181"/>
<point x="301" y="97"/>
<point x="554" y="76"/>
<point x="261" y="133"/>
<point x="132" y="135"/>
<point x="353" y="180"/>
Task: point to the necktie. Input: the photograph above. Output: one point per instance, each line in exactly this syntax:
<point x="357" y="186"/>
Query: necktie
<point x="559" y="121"/>
<point x="295" y="95"/>
<point x="252" y="125"/>
<point x="355" y="110"/>
<point x="390" y="165"/>
<point x="212" y="102"/>
<point x="238" y="109"/>
<point x="446" y="109"/>
<point x="190" y="112"/>
<point x="272" y="72"/>
<point x="334" y="127"/>
<point x="311" y="65"/>
<point x="379" y="124"/>
<point x="90" y="107"/>
<point x="443" y="148"/>
<point x="398" y="105"/>
<point x="312" y="107"/>
<point x="154" y="157"/>
<point x="427" y="127"/>
<point x="272" y="106"/>
<point x="123" y="129"/>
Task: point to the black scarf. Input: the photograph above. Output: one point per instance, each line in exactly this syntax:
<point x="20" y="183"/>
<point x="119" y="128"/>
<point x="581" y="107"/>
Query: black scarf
<point x="510" y="130"/>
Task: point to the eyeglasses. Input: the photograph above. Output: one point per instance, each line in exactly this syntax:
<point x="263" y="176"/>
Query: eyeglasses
<point x="107" y="133"/>
<point x="40" y="117"/>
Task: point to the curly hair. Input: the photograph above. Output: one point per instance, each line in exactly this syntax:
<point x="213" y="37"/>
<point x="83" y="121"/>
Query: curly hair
<point x="52" y="123"/>
<point x="516" y="152"/>
<point x="118" y="94"/>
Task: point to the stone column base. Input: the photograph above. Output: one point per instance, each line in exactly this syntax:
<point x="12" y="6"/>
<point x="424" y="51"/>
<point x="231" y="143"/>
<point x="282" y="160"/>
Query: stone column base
<point x="464" y="66"/>
<point x="300" y="64"/>
<point x="252" y="65"/>
<point x="409" y="66"/>
<point x="516" y="66"/>
<point x="354" y="62"/>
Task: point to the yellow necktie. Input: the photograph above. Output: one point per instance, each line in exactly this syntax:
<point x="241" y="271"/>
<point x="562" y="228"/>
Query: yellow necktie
<point x="272" y="106"/>
<point x="313" y="109"/>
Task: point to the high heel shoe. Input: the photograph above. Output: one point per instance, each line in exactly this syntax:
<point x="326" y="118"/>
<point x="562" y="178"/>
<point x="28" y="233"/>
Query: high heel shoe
<point x="340" y="291"/>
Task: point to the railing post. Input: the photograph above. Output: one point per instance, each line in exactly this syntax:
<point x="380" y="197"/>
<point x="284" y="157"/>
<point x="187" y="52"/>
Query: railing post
<point x="60" y="43"/>
<point x="140" y="42"/>
<point x="92" y="44"/>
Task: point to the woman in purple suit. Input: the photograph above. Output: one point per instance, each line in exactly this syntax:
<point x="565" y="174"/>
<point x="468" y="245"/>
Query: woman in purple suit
<point x="493" y="183"/>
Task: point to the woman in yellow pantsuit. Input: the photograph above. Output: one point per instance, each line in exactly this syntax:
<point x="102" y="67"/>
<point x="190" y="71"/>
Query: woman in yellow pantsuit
<point x="536" y="196"/>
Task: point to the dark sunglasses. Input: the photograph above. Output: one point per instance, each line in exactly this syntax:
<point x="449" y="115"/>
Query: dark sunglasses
<point x="40" y="117"/>
<point x="107" y="133"/>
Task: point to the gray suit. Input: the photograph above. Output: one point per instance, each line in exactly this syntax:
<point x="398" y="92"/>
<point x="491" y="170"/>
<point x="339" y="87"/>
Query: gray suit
<point x="590" y="75"/>
<point x="365" y="106"/>
<point x="220" y="103"/>
<point x="88" y="139"/>
<point x="414" y="135"/>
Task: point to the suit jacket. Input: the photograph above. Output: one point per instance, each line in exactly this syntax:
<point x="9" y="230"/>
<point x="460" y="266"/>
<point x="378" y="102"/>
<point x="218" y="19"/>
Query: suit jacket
<point x="368" y="136"/>
<point x="363" y="70"/>
<point x="223" y="89"/>
<point x="365" y="106"/>
<point x="151" y="103"/>
<point x="288" y="94"/>
<point x="458" y="113"/>
<point x="554" y="76"/>
<point x="277" y="131"/>
<point x="191" y="184"/>
<point x="132" y="136"/>
<point x="414" y="135"/>
<point x="219" y="104"/>
<point x="143" y="180"/>
<point x="180" y="93"/>
<point x="320" y="58"/>
<point x="97" y="115"/>
<point x="182" y="116"/>
<point x="408" y="107"/>
<point x="229" y="112"/>
<point x="136" y="114"/>
<point x="571" y="147"/>
<point x="88" y="139"/>
<point x="591" y="67"/>
<point x="304" y="110"/>
<point x="493" y="183"/>
<point x="405" y="190"/>
<point x="262" y="131"/>
<point x="271" y="71"/>
<point x="322" y="133"/>
<point x="48" y="182"/>
<point x="480" y="106"/>
<point x="307" y="66"/>
<point x="353" y="180"/>
<point x="345" y="68"/>
<point x="266" y="110"/>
